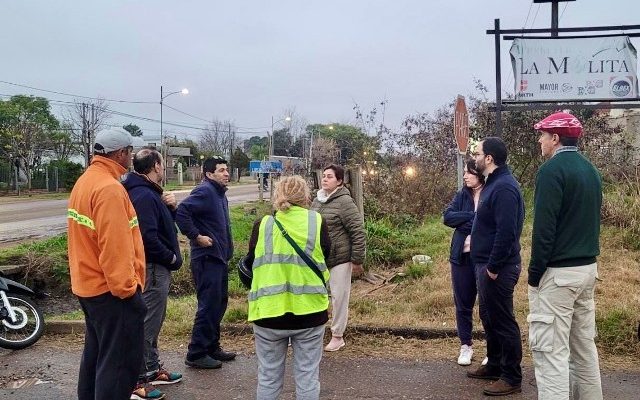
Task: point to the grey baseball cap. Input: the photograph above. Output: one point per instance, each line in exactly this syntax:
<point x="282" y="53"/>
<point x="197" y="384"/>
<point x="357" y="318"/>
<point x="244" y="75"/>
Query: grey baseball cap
<point x="112" y="139"/>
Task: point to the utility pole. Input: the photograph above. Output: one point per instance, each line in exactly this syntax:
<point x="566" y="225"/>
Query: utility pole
<point x="230" y="142"/>
<point x="554" y="14"/>
<point x="91" y="132"/>
<point x="85" y="135"/>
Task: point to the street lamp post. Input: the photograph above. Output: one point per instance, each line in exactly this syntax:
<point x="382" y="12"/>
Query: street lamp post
<point x="163" y="96"/>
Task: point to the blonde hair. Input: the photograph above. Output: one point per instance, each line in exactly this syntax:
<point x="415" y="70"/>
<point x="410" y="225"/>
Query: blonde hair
<point x="291" y="190"/>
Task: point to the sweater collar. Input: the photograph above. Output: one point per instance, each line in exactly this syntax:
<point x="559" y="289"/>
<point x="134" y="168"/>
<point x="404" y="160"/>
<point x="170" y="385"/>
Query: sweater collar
<point x="109" y="166"/>
<point x="565" y="149"/>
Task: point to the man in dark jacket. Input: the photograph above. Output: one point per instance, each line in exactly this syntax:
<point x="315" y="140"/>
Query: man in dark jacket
<point x="563" y="269"/>
<point x="495" y="251"/>
<point x="204" y="218"/>
<point x="156" y="213"/>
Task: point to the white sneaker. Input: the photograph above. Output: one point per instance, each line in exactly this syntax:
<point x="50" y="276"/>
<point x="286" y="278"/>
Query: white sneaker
<point x="466" y="353"/>
<point x="485" y="361"/>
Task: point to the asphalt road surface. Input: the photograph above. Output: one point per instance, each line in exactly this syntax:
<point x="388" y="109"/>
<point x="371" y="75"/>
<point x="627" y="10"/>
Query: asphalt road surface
<point x="342" y="377"/>
<point x="24" y="219"/>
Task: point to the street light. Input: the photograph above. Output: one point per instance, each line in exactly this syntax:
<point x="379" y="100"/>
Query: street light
<point x="163" y="96"/>
<point x="271" y="139"/>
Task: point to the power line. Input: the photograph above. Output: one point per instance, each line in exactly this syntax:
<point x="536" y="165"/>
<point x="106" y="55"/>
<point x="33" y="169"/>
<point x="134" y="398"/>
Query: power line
<point x="563" y="10"/>
<point x="246" y="130"/>
<point x="77" y="95"/>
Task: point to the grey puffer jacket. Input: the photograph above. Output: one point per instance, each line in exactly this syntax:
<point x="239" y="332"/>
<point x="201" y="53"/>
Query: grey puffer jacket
<point x="346" y="227"/>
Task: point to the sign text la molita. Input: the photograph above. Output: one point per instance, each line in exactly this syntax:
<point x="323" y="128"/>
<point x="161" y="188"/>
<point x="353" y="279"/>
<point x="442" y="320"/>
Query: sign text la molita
<point x="553" y="67"/>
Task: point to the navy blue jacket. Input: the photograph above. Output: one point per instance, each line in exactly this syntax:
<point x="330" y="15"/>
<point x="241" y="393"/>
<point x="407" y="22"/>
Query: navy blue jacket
<point x="459" y="214"/>
<point x="495" y="236"/>
<point x="159" y="233"/>
<point x="206" y="212"/>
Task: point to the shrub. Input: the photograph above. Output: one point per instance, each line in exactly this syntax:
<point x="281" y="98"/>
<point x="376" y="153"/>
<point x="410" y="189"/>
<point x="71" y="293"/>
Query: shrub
<point x="68" y="173"/>
<point x="46" y="263"/>
<point x="621" y="208"/>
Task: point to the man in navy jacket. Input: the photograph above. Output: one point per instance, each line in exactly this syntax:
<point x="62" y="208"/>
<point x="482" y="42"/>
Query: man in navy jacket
<point x="204" y="218"/>
<point x="495" y="251"/>
<point x="156" y="213"/>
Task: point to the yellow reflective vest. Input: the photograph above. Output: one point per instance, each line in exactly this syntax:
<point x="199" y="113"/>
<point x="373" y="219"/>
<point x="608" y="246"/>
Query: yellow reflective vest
<point x="282" y="282"/>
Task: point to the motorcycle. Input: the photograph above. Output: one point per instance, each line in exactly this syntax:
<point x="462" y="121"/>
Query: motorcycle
<point x="21" y="323"/>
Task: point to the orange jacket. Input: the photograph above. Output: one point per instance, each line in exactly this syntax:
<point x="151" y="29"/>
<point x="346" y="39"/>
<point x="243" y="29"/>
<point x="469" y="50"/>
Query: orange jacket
<point x="105" y="244"/>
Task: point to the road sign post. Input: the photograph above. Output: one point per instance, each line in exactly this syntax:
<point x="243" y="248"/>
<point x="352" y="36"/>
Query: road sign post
<point x="461" y="134"/>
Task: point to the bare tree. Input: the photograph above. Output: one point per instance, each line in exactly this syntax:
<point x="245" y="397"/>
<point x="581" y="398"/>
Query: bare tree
<point x="325" y="151"/>
<point x="85" y="118"/>
<point x="219" y="137"/>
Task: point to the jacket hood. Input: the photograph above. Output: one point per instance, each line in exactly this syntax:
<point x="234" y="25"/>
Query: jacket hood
<point x="134" y="179"/>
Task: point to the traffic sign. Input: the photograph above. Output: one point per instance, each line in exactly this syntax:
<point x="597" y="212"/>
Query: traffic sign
<point x="461" y="125"/>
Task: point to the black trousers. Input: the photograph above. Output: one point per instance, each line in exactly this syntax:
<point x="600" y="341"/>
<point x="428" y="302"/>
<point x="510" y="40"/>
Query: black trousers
<point x="113" y="346"/>
<point x="504" y="346"/>
<point x="211" y="278"/>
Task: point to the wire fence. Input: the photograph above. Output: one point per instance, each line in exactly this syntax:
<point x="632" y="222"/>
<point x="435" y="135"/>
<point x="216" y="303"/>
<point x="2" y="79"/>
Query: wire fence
<point x="43" y="178"/>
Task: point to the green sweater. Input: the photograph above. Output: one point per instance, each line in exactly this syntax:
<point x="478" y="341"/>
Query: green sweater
<point x="566" y="224"/>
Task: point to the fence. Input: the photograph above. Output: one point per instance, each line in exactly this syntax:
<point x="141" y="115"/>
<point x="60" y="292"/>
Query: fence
<point x="42" y="178"/>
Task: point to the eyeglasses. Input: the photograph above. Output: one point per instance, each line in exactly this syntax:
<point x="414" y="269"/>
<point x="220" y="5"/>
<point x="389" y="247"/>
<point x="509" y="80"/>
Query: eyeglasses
<point x="476" y="154"/>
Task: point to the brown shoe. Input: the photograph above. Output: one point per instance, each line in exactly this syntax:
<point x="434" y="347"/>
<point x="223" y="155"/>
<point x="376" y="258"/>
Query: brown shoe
<point x="501" y="388"/>
<point x="483" y="372"/>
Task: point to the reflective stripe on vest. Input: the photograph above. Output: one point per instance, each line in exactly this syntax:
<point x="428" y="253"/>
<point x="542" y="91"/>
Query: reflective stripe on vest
<point x="282" y="281"/>
<point x="80" y="219"/>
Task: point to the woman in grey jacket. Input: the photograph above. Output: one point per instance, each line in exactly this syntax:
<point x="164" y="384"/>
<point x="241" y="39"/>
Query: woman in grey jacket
<point x="346" y="230"/>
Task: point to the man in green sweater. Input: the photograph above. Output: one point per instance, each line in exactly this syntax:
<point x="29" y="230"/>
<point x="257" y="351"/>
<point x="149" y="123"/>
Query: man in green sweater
<point x="563" y="269"/>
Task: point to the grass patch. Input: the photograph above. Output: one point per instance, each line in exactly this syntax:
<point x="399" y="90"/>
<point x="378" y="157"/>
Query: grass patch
<point x="46" y="263"/>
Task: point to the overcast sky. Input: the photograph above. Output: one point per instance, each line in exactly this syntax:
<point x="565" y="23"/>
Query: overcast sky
<point x="248" y="60"/>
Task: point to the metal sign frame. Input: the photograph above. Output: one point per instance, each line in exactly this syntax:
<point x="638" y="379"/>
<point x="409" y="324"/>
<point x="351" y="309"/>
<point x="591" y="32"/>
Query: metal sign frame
<point x="513" y="105"/>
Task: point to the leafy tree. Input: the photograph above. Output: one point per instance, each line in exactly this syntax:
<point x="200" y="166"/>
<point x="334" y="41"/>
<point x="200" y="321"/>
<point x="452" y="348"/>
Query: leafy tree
<point x="258" y="152"/>
<point x="133" y="129"/>
<point x="26" y="127"/>
<point x="351" y="141"/>
<point x="63" y="144"/>
<point x="282" y="141"/>
<point x="239" y="160"/>
<point x="255" y="141"/>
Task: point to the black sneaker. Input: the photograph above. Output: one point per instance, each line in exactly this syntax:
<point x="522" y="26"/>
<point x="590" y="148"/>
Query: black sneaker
<point x="484" y="372"/>
<point x="222" y="355"/>
<point x="205" y="362"/>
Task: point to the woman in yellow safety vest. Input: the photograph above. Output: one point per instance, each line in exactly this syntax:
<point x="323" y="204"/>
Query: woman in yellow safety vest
<point x="288" y="299"/>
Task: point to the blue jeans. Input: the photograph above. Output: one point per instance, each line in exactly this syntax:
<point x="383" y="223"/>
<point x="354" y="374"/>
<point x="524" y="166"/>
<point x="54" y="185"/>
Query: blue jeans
<point x="211" y="278"/>
<point x="504" y="346"/>
<point x="463" y="281"/>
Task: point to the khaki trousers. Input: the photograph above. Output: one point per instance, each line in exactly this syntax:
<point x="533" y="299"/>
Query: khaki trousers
<point x="562" y="329"/>
<point x="340" y="289"/>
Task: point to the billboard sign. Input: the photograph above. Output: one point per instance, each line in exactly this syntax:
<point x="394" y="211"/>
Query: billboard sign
<point x="582" y="69"/>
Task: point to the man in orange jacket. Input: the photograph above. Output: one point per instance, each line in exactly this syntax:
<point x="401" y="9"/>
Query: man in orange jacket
<point x="107" y="268"/>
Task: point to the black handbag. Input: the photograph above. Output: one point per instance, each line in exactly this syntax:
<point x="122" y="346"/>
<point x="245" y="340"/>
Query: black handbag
<point x="245" y="273"/>
<point x="301" y="253"/>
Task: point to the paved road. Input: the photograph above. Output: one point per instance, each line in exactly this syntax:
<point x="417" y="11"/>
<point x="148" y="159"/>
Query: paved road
<point x="342" y="377"/>
<point x="20" y="220"/>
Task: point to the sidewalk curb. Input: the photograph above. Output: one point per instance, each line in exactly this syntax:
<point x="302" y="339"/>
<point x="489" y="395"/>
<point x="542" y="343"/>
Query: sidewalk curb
<point x="60" y="327"/>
